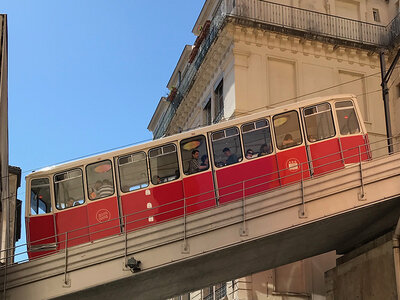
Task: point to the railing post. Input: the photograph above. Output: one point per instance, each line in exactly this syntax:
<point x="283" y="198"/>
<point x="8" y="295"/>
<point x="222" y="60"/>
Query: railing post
<point x="243" y="229"/>
<point x="361" y="195"/>
<point x="302" y="210"/>
<point x="67" y="281"/>
<point x="126" y="238"/>
<point x="185" y="249"/>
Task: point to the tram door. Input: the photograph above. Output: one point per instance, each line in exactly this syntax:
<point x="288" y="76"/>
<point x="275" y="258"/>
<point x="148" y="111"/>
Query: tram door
<point x="352" y="141"/>
<point x="323" y="142"/>
<point x="40" y="220"/>
<point x="227" y="153"/>
<point x="291" y="152"/>
<point x="71" y="215"/>
<point x="198" y="186"/>
<point x="151" y="189"/>
<point x="102" y="207"/>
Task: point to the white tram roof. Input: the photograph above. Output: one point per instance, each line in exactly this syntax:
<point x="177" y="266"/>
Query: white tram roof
<point x="187" y="134"/>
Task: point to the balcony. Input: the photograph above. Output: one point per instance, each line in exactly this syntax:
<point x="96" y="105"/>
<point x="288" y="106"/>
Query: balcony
<point x="287" y="19"/>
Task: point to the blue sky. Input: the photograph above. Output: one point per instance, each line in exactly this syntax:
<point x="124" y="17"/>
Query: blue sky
<point x="86" y="76"/>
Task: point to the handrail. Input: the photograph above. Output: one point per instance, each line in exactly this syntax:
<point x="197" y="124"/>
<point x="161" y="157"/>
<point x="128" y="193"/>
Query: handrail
<point x="246" y="184"/>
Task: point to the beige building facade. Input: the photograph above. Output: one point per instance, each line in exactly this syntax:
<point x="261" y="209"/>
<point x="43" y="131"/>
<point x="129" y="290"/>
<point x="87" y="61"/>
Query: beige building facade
<point x="252" y="55"/>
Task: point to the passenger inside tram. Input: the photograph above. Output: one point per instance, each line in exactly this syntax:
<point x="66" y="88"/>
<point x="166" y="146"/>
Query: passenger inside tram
<point x="231" y="157"/>
<point x="204" y="161"/>
<point x="264" y="150"/>
<point x="194" y="164"/>
<point x="249" y="154"/>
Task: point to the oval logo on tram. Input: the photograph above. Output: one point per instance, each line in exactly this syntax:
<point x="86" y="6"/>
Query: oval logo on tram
<point x="103" y="215"/>
<point x="293" y="164"/>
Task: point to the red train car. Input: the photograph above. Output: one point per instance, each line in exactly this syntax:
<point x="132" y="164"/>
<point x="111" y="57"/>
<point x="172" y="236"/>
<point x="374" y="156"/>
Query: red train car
<point x="136" y="187"/>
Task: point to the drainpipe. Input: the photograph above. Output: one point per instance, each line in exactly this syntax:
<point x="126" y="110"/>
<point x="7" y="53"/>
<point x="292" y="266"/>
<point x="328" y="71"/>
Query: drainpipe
<point x="396" y="256"/>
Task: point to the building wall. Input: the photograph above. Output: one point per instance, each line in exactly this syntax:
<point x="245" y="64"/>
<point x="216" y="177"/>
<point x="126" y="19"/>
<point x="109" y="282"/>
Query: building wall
<point x="264" y="69"/>
<point x="274" y="69"/>
<point x="369" y="275"/>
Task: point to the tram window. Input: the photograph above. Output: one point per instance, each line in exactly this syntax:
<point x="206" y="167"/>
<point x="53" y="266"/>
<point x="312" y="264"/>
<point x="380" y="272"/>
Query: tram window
<point x="40" y="196"/>
<point x="319" y="122"/>
<point x="226" y="147"/>
<point x="194" y="155"/>
<point x="99" y="180"/>
<point x="163" y="164"/>
<point x="133" y="172"/>
<point x="69" y="188"/>
<point x="348" y="123"/>
<point x="256" y="139"/>
<point x="287" y="130"/>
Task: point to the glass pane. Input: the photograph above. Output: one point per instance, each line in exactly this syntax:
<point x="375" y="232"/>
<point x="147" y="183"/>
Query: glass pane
<point x="257" y="142"/>
<point x="194" y="155"/>
<point x="348" y="123"/>
<point x="100" y="180"/>
<point x="68" y="189"/>
<point x="319" y="122"/>
<point x="287" y="130"/>
<point x="346" y="103"/>
<point x="227" y="151"/>
<point x="164" y="167"/>
<point x="40" y="196"/>
<point x="133" y="172"/>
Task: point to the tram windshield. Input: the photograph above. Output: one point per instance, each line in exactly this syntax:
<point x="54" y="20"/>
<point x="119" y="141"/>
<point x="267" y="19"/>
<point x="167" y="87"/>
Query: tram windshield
<point x="40" y="196"/>
<point x="347" y="118"/>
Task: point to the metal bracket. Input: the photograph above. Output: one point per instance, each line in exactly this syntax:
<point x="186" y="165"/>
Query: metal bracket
<point x="362" y="196"/>
<point x="302" y="212"/>
<point x="243" y="231"/>
<point x="66" y="282"/>
<point x="185" y="248"/>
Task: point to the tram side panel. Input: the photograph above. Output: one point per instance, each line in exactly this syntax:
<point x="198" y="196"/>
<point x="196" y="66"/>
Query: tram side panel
<point x="246" y="179"/>
<point x="291" y="163"/>
<point x="199" y="192"/>
<point x="41" y="235"/>
<point x="326" y="156"/>
<point x="152" y="205"/>
<point x="103" y="218"/>
<point x="72" y="224"/>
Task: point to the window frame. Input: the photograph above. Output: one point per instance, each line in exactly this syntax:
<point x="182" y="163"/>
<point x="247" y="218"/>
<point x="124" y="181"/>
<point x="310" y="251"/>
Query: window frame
<point x="87" y="181"/>
<point x="305" y="123"/>
<point x="83" y="188"/>
<point x="177" y="160"/>
<point x="356" y="113"/>
<point x="299" y="126"/>
<point x="50" y="194"/>
<point x="270" y="134"/>
<point x="181" y="154"/>
<point x="119" y="172"/>
<point x="225" y="137"/>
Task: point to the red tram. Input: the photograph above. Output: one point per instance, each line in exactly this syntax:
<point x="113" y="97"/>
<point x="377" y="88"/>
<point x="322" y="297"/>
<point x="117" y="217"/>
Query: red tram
<point x="135" y="187"/>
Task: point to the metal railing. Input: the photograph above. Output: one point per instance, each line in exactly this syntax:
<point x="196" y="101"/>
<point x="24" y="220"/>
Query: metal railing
<point x="281" y="17"/>
<point x="237" y="191"/>
<point x="307" y="21"/>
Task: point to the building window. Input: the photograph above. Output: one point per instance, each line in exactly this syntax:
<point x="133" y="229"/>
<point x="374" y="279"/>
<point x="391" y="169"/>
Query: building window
<point x="375" y="13"/>
<point x="207" y="113"/>
<point x="219" y="102"/>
